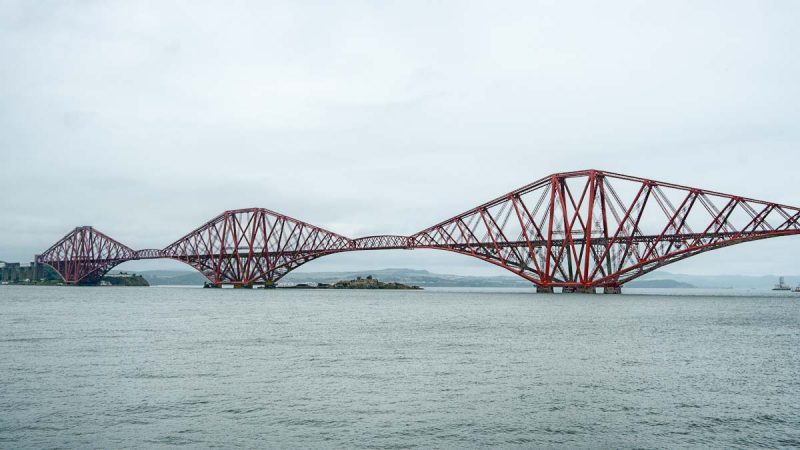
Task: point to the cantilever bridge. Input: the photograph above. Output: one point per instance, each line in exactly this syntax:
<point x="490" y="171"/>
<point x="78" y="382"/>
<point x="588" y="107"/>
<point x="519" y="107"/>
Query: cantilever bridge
<point x="576" y="230"/>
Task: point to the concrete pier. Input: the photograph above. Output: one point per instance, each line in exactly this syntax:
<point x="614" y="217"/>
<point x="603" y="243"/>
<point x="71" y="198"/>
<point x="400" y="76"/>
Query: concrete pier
<point x="544" y="290"/>
<point x="578" y="290"/>
<point x="612" y="290"/>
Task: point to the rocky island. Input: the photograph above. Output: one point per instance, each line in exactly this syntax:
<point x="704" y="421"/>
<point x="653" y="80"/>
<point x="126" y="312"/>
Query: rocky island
<point x="123" y="279"/>
<point x="358" y="283"/>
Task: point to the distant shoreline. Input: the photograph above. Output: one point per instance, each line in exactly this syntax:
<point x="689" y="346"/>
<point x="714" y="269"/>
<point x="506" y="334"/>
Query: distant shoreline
<point x="426" y="279"/>
<point x="358" y="283"/>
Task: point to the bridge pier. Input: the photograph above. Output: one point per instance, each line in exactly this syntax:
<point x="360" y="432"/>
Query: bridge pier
<point x="267" y="285"/>
<point x="578" y="290"/>
<point x="268" y="245"/>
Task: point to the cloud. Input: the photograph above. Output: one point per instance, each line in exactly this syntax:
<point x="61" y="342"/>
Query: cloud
<point x="147" y="119"/>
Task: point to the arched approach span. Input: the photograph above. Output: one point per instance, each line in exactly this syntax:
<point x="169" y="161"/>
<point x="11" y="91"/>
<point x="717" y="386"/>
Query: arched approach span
<point x="577" y="230"/>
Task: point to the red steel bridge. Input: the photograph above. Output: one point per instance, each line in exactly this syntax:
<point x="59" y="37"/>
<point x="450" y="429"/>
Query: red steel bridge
<point x="575" y="230"/>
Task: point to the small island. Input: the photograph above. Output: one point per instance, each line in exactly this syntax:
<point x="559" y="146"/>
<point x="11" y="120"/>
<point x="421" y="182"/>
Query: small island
<point x="358" y="283"/>
<point x="123" y="279"/>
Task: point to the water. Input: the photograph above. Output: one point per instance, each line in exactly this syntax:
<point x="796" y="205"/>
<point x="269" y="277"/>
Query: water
<point x="162" y="367"/>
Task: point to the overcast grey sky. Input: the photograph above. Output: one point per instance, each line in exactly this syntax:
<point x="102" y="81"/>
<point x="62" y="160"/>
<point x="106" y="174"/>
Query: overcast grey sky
<point x="146" y="119"/>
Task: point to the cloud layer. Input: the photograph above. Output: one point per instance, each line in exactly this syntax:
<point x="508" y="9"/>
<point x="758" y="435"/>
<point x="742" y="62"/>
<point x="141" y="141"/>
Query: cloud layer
<point x="146" y="119"/>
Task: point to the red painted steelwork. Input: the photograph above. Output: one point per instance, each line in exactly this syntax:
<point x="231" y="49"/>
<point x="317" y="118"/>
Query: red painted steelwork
<point x="149" y="253"/>
<point x="253" y="245"/>
<point x="383" y="242"/>
<point x="601" y="229"/>
<point x="84" y="255"/>
<point x="578" y="230"/>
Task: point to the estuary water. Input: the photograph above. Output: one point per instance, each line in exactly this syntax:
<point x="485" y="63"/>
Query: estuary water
<point x="197" y="368"/>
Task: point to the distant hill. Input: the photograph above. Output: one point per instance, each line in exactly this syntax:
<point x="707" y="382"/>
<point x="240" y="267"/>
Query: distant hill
<point x="410" y="276"/>
<point x="425" y="278"/>
<point x="406" y="276"/>
<point x="723" y="281"/>
<point x="671" y="284"/>
<point x="173" y="277"/>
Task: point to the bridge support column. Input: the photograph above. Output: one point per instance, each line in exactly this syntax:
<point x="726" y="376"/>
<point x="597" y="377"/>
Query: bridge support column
<point x="612" y="289"/>
<point x="544" y="289"/>
<point x="578" y="290"/>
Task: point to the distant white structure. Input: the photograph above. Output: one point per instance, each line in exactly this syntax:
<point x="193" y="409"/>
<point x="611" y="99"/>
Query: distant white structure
<point x="781" y="286"/>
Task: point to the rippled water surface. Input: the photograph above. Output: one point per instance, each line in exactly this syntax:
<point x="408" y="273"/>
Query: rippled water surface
<point x="153" y="367"/>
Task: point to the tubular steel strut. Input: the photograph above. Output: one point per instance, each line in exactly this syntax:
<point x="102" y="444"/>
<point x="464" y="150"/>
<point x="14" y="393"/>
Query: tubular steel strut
<point x="576" y="230"/>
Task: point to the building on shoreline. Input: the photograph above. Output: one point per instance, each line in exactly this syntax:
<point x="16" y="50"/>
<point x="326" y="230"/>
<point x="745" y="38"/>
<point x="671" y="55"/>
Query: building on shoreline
<point x="14" y="272"/>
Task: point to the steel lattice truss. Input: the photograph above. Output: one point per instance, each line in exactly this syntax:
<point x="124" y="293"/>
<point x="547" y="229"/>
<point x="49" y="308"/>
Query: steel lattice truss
<point x="577" y="230"/>
<point x="383" y="242"/>
<point x="592" y="228"/>
<point x="253" y="246"/>
<point x="85" y="255"/>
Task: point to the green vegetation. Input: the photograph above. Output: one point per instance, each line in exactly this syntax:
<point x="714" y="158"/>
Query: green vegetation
<point x="123" y="279"/>
<point x="370" y="283"/>
<point x="357" y="283"/>
<point x="41" y="274"/>
<point x="421" y="278"/>
<point x="44" y="275"/>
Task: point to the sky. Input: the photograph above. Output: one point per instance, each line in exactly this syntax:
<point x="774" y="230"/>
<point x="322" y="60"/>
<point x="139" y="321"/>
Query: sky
<point x="145" y="119"/>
